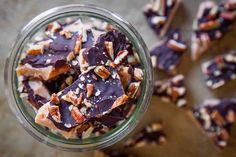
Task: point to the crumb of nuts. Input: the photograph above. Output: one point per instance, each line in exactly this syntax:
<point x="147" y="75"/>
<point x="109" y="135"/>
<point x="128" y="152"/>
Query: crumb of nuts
<point x="77" y="115"/>
<point x="55" y="99"/>
<point x="102" y="72"/>
<point x="70" y="56"/>
<point x="54" y="112"/>
<point x="69" y="80"/>
<point x="90" y="89"/>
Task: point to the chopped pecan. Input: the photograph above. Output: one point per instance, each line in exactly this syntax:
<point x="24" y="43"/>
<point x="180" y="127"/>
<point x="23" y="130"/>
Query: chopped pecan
<point x="218" y="119"/>
<point x="70" y="56"/>
<point x="55" y="113"/>
<point x="55" y="99"/>
<point x="133" y="89"/>
<point x="109" y="48"/>
<point x="138" y="74"/>
<point x="77" y="115"/>
<point x="67" y="34"/>
<point x="35" y="49"/>
<point x="120" y="56"/>
<point x="69" y="80"/>
<point x="78" y="44"/>
<point x="209" y="25"/>
<point x="90" y="89"/>
<point x="176" y="46"/>
<point x="224" y="134"/>
<point x="72" y="97"/>
<point x="53" y="27"/>
<point x="230" y="117"/>
<point x="102" y="72"/>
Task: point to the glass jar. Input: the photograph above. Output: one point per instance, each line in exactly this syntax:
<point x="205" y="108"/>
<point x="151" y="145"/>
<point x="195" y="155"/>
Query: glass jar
<point x="24" y="112"/>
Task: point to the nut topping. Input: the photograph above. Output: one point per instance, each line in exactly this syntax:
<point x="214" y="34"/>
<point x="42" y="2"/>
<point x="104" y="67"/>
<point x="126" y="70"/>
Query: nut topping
<point x="55" y="113"/>
<point x="218" y="119"/>
<point x="176" y="46"/>
<point x="77" y="115"/>
<point x="230" y="117"/>
<point x="90" y="89"/>
<point x="133" y="89"/>
<point x="120" y="57"/>
<point x="55" y="99"/>
<point x="102" y="72"/>
<point x="72" y="98"/>
<point x="35" y="50"/>
<point x="109" y="47"/>
<point x="70" y="56"/>
<point x="78" y="45"/>
<point x="138" y="74"/>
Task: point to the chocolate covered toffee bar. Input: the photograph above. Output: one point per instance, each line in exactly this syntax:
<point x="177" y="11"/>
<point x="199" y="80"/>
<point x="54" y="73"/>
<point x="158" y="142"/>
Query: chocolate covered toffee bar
<point x="167" y="55"/>
<point x="171" y="90"/>
<point x="213" y="21"/>
<point x="216" y="117"/>
<point x="220" y="70"/>
<point x="82" y="78"/>
<point x="152" y="134"/>
<point x="159" y="14"/>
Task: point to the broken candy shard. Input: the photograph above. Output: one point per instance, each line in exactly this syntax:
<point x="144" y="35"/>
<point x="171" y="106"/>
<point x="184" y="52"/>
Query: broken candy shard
<point x="213" y="21"/>
<point x="152" y="134"/>
<point x="108" y="94"/>
<point x="171" y="90"/>
<point x="220" y="70"/>
<point x="159" y="14"/>
<point x="216" y="118"/>
<point x="167" y="55"/>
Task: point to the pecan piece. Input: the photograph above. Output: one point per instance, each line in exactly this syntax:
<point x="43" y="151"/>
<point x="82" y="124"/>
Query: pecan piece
<point x="55" y="99"/>
<point x="120" y="57"/>
<point x="218" y="119"/>
<point x="55" y="113"/>
<point x="77" y="115"/>
<point x="35" y="49"/>
<point x="102" y="72"/>
<point x="78" y="44"/>
<point x="209" y="25"/>
<point x="90" y="89"/>
<point x="138" y="74"/>
<point x="230" y="117"/>
<point x="133" y="89"/>
<point x="176" y="46"/>
<point x="70" y="56"/>
<point x="109" y="48"/>
<point x="72" y="98"/>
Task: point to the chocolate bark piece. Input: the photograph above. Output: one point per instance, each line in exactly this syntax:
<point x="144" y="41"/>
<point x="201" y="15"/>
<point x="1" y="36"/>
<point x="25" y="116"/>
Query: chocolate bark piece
<point x="108" y="94"/>
<point x="160" y="13"/>
<point x="216" y="118"/>
<point x="53" y="56"/>
<point x="213" y="21"/>
<point x="220" y="70"/>
<point x="167" y="55"/>
<point x="35" y="91"/>
<point x="171" y="90"/>
<point x="100" y="153"/>
<point x="152" y="134"/>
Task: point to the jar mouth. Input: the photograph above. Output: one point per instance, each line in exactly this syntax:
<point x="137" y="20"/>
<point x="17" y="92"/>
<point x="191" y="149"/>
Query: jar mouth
<point x="20" y="108"/>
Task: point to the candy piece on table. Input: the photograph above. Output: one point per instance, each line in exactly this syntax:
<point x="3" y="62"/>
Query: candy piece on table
<point x="213" y="21"/>
<point x="171" y="90"/>
<point x="152" y="134"/>
<point x="92" y="95"/>
<point x="216" y="118"/>
<point x="160" y="13"/>
<point x="220" y="70"/>
<point x="167" y="55"/>
<point x="100" y="153"/>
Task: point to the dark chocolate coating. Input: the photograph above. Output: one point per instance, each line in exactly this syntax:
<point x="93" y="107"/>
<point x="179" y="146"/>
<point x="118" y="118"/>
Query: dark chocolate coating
<point x="167" y="57"/>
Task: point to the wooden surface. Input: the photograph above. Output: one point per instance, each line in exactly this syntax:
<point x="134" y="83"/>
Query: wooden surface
<point x="184" y="138"/>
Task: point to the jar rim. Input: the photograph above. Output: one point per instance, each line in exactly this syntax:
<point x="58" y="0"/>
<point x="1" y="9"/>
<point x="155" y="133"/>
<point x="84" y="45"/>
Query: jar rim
<point x="53" y="14"/>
